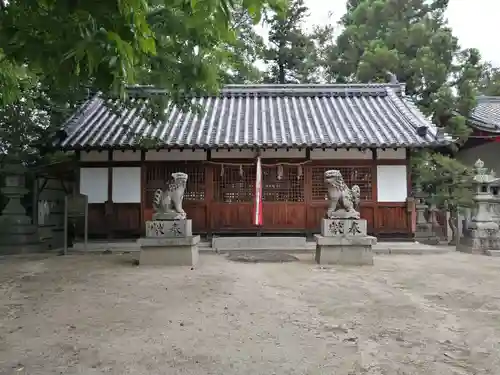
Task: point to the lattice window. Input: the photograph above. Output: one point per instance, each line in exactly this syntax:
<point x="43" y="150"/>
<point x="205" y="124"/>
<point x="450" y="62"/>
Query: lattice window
<point x="234" y="184"/>
<point x="158" y="176"/>
<point x="361" y="176"/>
<point x="282" y="184"/>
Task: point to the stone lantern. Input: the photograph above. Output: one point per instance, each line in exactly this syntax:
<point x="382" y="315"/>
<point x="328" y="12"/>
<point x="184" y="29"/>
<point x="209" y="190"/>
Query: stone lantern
<point x="423" y="232"/>
<point x="17" y="232"/>
<point x="483" y="232"/>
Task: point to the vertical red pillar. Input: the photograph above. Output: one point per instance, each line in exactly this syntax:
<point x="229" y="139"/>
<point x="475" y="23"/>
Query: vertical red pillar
<point x="257" y="217"/>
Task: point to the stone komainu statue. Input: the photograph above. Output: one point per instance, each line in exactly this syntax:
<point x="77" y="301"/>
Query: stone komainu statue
<point x="167" y="204"/>
<point x="343" y="201"/>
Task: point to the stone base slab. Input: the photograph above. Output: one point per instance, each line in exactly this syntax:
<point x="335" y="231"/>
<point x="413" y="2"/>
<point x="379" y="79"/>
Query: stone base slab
<point x="343" y="227"/>
<point x="355" y="251"/>
<point x="224" y="244"/>
<point x="181" y="251"/>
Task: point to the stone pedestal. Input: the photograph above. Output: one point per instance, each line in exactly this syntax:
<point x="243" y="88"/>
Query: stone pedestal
<point x="344" y="241"/>
<point x="480" y="238"/>
<point x="483" y="233"/>
<point x="169" y="243"/>
<point x="182" y="251"/>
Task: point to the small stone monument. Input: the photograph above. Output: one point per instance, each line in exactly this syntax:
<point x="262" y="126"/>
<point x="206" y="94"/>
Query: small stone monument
<point x="343" y="238"/>
<point x="423" y="232"/>
<point x="169" y="238"/>
<point x="482" y="235"/>
<point x="18" y="234"/>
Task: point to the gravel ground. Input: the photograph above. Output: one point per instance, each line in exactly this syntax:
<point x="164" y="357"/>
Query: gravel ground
<point x="99" y="314"/>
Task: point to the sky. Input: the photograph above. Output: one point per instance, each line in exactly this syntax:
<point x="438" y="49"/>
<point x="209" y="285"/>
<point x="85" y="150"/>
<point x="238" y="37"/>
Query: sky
<point x="473" y="22"/>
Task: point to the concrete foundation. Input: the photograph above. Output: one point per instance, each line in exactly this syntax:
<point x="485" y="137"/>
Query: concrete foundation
<point x="182" y="251"/>
<point x="344" y="241"/>
<point x="355" y="251"/>
<point x="288" y="244"/>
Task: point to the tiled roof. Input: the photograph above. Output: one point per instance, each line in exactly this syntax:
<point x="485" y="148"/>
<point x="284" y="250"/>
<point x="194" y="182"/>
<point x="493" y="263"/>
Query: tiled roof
<point x="373" y="115"/>
<point x="486" y="114"/>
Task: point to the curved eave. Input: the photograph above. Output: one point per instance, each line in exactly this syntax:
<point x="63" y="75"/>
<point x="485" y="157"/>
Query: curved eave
<point x="255" y="147"/>
<point x="484" y="126"/>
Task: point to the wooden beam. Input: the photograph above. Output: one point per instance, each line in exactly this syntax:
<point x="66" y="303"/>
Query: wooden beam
<point x="109" y="203"/>
<point x="374" y="183"/>
<point x="209" y="196"/>
<point x="143" y="190"/>
<point x="409" y="210"/>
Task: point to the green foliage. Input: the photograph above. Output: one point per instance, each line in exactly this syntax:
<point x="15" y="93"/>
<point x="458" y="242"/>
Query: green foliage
<point x="55" y="53"/>
<point x="23" y="126"/>
<point x="412" y="40"/>
<point x="243" y="52"/>
<point x="291" y="54"/>
<point x="107" y="45"/>
<point x="490" y="81"/>
<point x="447" y="181"/>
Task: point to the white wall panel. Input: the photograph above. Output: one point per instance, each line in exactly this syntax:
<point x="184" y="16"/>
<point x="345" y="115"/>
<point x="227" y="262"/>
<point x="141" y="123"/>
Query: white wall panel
<point x="127" y="155"/>
<point x="320" y="154"/>
<point x="392" y="183"/>
<point x="397" y="154"/>
<point x="280" y="153"/>
<point x="127" y="185"/>
<point x="94" y="184"/>
<point x="176" y="155"/>
<point x="94" y="156"/>
<point x="233" y="154"/>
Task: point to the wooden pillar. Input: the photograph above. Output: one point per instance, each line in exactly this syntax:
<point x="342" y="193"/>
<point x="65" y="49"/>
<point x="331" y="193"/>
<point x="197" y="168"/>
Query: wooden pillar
<point x="410" y="202"/>
<point x="143" y="190"/>
<point x="307" y="171"/>
<point x="259" y="228"/>
<point x="76" y="189"/>
<point x="374" y="192"/>
<point x="109" y="212"/>
<point x="209" y="195"/>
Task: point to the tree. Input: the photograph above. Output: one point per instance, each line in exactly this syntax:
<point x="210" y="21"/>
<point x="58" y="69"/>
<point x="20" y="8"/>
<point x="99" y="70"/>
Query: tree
<point x="291" y="53"/>
<point x="24" y="125"/>
<point x="243" y="51"/>
<point x="107" y="45"/>
<point x="447" y="182"/>
<point x="324" y="44"/>
<point x="490" y="81"/>
<point x="54" y="53"/>
<point x="411" y="40"/>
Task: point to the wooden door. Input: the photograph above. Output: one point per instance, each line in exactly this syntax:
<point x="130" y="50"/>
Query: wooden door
<point x="283" y="198"/>
<point x="392" y="219"/>
<point x="232" y="204"/>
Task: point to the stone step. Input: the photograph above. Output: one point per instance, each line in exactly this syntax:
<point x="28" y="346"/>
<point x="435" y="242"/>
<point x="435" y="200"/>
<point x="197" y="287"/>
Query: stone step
<point x="493" y="253"/>
<point x="305" y="247"/>
<point x="252" y="249"/>
<point x="222" y="244"/>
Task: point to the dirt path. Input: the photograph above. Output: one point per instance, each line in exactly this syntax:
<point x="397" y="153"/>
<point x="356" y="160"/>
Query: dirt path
<point x="90" y="314"/>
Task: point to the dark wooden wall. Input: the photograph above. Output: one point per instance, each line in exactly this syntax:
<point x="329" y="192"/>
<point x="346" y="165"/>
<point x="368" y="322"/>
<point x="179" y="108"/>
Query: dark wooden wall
<point x="219" y="198"/>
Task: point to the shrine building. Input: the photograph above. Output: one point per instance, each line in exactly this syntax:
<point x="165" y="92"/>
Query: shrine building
<point x="367" y="131"/>
<point x="484" y="141"/>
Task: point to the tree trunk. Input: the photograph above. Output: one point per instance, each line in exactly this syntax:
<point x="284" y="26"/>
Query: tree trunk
<point x="281" y="63"/>
<point x="452" y="222"/>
